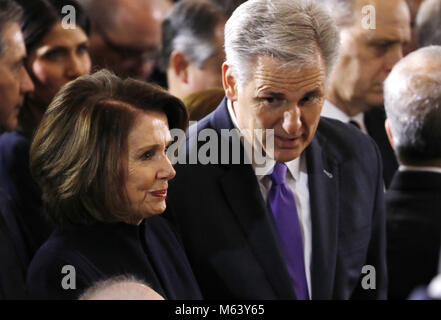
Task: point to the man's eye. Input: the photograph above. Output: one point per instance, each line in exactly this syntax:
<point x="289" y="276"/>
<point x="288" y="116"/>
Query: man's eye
<point x="308" y="99"/>
<point x="83" y="49"/>
<point x="272" y="101"/>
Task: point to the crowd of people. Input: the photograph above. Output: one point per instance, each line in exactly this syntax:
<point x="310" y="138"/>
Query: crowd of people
<point x="312" y="172"/>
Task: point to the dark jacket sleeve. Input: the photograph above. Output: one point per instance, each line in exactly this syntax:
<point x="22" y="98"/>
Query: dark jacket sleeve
<point x="376" y="256"/>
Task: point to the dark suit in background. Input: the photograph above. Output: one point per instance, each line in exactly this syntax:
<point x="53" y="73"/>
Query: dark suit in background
<point x="230" y="239"/>
<point x="14" y="255"/>
<point x="19" y="186"/>
<point x="414" y="231"/>
<point x="374" y="120"/>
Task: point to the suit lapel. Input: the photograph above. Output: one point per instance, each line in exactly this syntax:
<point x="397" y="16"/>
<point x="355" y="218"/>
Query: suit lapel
<point x="242" y="193"/>
<point x="323" y="175"/>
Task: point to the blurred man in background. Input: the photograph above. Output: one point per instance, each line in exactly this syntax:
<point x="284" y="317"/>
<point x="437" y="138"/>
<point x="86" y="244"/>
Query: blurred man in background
<point x="428" y="23"/>
<point x="126" y="34"/>
<point x="192" y="47"/>
<point x="367" y="55"/>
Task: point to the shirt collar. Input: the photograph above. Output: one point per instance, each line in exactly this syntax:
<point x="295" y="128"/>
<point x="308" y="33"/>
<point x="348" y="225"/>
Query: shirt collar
<point x="293" y="165"/>
<point x="332" y="111"/>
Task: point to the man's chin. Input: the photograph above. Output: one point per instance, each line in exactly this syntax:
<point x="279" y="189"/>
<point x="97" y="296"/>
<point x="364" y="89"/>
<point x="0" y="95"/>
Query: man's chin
<point x="287" y="155"/>
<point x="10" y="125"/>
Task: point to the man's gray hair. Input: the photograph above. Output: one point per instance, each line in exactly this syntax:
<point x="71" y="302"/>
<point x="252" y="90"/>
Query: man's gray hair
<point x="412" y="96"/>
<point x="343" y="11"/>
<point x="292" y="31"/>
<point x="190" y="28"/>
<point x="10" y="12"/>
<point x="428" y="23"/>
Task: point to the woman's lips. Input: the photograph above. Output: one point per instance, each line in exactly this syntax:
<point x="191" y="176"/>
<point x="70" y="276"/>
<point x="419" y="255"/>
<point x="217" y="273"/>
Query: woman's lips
<point x="160" y="193"/>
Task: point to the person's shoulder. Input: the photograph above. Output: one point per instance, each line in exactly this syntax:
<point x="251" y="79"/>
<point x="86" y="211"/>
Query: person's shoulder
<point x="13" y="146"/>
<point x="345" y="140"/>
<point x="159" y="226"/>
<point x="56" y="260"/>
<point x="56" y="248"/>
<point x="13" y="138"/>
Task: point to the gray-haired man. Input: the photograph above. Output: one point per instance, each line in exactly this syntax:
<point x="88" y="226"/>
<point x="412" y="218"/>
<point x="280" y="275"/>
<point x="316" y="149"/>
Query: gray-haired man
<point x="307" y="223"/>
<point x="14" y="83"/>
<point x="413" y="106"/>
<point x="373" y="33"/>
<point x="14" y="79"/>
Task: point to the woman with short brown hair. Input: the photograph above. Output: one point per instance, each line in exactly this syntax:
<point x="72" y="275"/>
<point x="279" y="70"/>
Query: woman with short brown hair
<point x="100" y="159"/>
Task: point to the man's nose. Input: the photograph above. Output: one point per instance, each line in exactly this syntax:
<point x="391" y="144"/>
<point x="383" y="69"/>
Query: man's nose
<point x="76" y="67"/>
<point x="26" y="84"/>
<point x="291" y="120"/>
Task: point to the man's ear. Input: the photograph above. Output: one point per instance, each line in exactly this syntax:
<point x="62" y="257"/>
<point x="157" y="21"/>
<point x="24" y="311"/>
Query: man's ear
<point x="389" y="133"/>
<point x="179" y="65"/>
<point x="229" y="82"/>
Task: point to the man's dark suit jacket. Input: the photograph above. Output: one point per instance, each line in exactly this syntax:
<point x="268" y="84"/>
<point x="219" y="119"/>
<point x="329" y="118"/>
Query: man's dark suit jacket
<point x="17" y="182"/>
<point x="14" y="254"/>
<point x="230" y="239"/>
<point x="374" y="120"/>
<point x="414" y="231"/>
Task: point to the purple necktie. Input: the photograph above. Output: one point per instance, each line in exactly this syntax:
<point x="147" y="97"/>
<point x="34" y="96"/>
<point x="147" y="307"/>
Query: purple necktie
<point x="283" y="206"/>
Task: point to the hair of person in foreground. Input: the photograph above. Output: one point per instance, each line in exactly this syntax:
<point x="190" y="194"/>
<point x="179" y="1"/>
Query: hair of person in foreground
<point x="123" y="287"/>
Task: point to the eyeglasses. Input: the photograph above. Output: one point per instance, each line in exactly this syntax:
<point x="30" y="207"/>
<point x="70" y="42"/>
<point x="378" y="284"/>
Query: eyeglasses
<point x="144" y="55"/>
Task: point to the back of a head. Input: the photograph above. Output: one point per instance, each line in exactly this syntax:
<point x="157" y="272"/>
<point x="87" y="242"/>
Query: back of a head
<point x="189" y="28"/>
<point x="291" y="31"/>
<point x="428" y="23"/>
<point x="10" y="12"/>
<point x="413" y="105"/>
<point x="120" y="288"/>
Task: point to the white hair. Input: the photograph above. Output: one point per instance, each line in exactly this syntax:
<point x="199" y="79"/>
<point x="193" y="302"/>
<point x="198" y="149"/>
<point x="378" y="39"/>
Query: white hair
<point x="343" y="11"/>
<point x="292" y="31"/>
<point x="412" y="96"/>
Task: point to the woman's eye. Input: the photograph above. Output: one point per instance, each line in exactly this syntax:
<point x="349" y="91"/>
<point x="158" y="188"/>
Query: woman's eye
<point x="147" y="155"/>
<point x="54" y="55"/>
<point x="83" y="49"/>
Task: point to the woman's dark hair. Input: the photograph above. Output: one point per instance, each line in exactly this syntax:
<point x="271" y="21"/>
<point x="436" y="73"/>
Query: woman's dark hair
<point x="79" y="151"/>
<point x="40" y="16"/>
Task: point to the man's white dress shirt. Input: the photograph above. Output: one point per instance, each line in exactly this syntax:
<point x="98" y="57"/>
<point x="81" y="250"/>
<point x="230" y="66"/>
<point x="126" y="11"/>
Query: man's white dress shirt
<point x="297" y="181"/>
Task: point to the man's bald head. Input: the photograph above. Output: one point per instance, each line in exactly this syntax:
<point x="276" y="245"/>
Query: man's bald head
<point x="121" y="288"/>
<point x="413" y="105"/>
